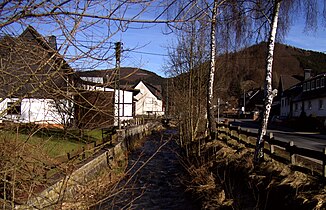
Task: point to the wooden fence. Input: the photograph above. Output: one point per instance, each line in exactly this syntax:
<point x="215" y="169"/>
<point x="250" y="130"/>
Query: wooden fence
<point x="287" y="150"/>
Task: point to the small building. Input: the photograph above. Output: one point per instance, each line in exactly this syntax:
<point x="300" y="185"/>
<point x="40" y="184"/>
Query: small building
<point x="306" y="98"/>
<point x="312" y="98"/>
<point x="148" y="100"/>
<point x="34" y="81"/>
<point x="101" y="105"/>
<point x="287" y="90"/>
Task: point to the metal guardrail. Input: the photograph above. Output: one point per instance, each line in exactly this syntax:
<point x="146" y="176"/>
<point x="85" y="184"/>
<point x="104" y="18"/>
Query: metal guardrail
<point x="293" y="150"/>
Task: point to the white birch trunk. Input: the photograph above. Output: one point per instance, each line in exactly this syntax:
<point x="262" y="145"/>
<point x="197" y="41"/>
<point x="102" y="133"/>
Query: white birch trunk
<point x="210" y="88"/>
<point x="269" y="94"/>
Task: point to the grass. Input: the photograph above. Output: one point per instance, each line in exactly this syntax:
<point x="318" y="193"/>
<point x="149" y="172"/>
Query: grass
<point x="52" y="145"/>
<point x="54" y="142"/>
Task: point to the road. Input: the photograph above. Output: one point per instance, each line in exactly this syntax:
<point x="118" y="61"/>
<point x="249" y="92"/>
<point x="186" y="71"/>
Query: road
<point x="309" y="140"/>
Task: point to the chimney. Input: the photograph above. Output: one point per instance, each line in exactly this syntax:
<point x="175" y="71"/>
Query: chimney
<point x="53" y="42"/>
<point x="307" y="74"/>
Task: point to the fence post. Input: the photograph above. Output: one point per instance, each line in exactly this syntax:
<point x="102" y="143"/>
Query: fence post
<point x="272" y="147"/>
<point x="247" y="137"/>
<point x="292" y="155"/>
<point x="239" y="133"/>
<point x="324" y="163"/>
<point x="83" y="154"/>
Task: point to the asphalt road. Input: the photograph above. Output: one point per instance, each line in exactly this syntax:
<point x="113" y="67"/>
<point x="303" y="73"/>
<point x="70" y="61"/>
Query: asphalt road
<point x="309" y="140"/>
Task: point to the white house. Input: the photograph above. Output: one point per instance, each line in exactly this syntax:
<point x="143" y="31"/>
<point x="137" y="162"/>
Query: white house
<point x="312" y="100"/>
<point x="148" y="100"/>
<point x="123" y="99"/>
<point x="305" y="98"/>
<point x="34" y="78"/>
<point x="33" y="110"/>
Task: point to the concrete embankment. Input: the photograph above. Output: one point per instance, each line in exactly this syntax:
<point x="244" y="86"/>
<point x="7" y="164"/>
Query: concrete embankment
<point x="67" y="187"/>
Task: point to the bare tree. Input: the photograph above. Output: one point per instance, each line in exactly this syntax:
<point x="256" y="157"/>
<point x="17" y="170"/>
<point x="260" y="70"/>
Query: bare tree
<point x="269" y="93"/>
<point x="210" y="87"/>
<point x="289" y="8"/>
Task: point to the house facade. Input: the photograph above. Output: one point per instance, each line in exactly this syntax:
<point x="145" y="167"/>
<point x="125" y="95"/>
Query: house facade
<point x="312" y="99"/>
<point x="148" y="100"/>
<point x="34" y="78"/>
<point x="102" y="105"/>
<point x="306" y="98"/>
<point x="31" y="110"/>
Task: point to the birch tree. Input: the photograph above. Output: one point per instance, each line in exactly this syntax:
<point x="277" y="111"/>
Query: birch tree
<point x="268" y="92"/>
<point x="210" y="87"/>
<point x="290" y="8"/>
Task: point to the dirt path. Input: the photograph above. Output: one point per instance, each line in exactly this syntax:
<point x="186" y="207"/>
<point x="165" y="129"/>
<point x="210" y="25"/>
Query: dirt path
<point x="154" y="180"/>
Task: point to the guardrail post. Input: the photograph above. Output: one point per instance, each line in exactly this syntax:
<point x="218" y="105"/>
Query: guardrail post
<point x="247" y="136"/>
<point x="292" y="155"/>
<point x="239" y="133"/>
<point x="324" y="163"/>
<point x="272" y="147"/>
<point x="83" y="154"/>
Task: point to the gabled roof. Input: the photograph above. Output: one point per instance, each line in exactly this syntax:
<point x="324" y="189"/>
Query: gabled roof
<point x="31" y="67"/>
<point x="287" y="81"/>
<point x="128" y="75"/>
<point x="129" y="78"/>
<point x="297" y="94"/>
<point x="156" y="90"/>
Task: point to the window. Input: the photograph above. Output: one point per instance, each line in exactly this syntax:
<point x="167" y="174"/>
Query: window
<point x="322" y="82"/>
<point x="309" y="105"/>
<point x="14" y="108"/>
<point x="296" y="106"/>
<point x="304" y="87"/>
<point x="321" y="104"/>
<point x="312" y="84"/>
<point x="308" y="86"/>
<point x="317" y="83"/>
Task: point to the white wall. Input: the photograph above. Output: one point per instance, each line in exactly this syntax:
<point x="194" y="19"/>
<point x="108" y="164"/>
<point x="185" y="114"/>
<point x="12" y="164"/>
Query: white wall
<point x="125" y="105"/>
<point x="33" y="111"/>
<point x="93" y="79"/>
<point x="285" y="107"/>
<point x="315" y="109"/>
<point x="147" y="103"/>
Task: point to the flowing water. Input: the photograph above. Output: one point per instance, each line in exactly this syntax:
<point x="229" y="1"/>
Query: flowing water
<point x="154" y="177"/>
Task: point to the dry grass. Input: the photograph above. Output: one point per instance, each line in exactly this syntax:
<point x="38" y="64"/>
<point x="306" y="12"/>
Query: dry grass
<point x="94" y="191"/>
<point x="247" y="186"/>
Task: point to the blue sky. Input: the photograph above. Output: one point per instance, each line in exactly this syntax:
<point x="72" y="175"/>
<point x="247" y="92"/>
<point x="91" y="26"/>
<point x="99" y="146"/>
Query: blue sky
<point x="315" y="41"/>
<point x="148" y="48"/>
<point x="148" y="45"/>
<point x="152" y="40"/>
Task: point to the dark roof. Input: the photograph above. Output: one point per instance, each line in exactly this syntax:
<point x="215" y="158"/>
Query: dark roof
<point x="129" y="78"/>
<point x="297" y="94"/>
<point x="31" y="68"/>
<point x="155" y="89"/>
<point x="287" y="81"/>
<point x="128" y="75"/>
<point x="316" y="92"/>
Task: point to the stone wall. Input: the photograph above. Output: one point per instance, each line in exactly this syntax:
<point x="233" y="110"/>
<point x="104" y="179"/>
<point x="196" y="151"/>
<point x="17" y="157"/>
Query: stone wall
<point x="67" y="186"/>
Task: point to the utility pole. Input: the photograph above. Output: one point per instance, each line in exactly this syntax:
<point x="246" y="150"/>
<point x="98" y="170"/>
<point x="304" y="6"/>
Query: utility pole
<point x="244" y="101"/>
<point x="117" y="79"/>
<point x="218" y="110"/>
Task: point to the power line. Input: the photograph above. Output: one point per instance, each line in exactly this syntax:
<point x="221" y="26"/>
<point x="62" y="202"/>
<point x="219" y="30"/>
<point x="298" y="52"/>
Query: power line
<point x="148" y="53"/>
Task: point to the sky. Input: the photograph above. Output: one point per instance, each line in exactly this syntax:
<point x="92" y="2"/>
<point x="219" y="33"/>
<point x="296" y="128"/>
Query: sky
<point x="147" y="48"/>
<point x="154" y="42"/>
